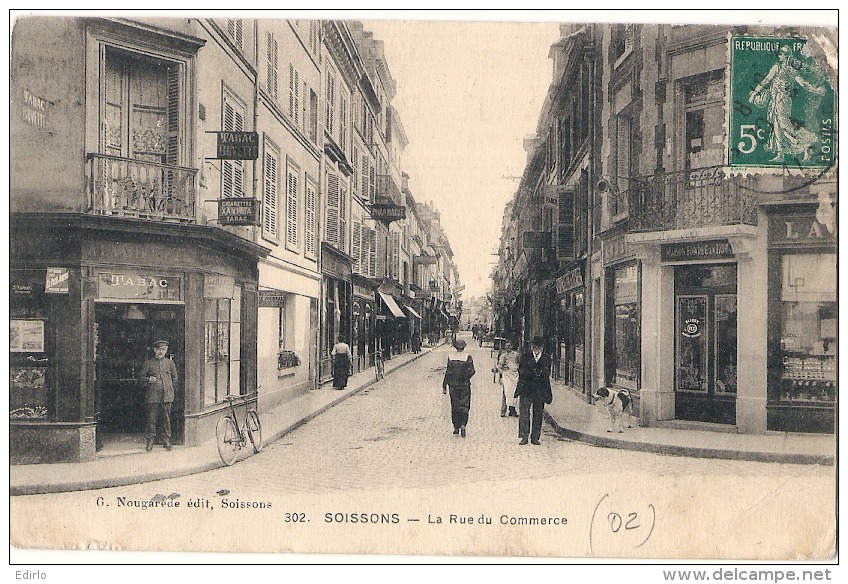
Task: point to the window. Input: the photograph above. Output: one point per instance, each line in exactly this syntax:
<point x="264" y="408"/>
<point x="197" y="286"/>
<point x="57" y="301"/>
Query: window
<point x="330" y="97"/>
<point x="314" y="36"/>
<point x="269" y="203"/>
<point x="366" y="183"/>
<point x="565" y="154"/>
<point x="356" y="251"/>
<point x="354" y="177"/>
<point x="621" y="42"/>
<point x="232" y="171"/>
<point x="332" y="236"/>
<point x="342" y="244"/>
<point x="292" y="175"/>
<point x="304" y="106"/>
<point x="343" y="122"/>
<point x="313" y="116"/>
<point x="565" y="228"/>
<point x="703" y="131"/>
<point x="235" y="28"/>
<point x="272" y="81"/>
<point x="372" y="253"/>
<point x="625" y="166"/>
<point x="222" y="320"/>
<point x="294" y="95"/>
<point x="625" y="339"/>
<point x="311" y="243"/>
<point x="141" y="105"/>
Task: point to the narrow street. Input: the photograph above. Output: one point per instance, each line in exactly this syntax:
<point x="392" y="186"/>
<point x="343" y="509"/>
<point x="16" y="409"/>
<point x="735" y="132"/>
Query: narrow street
<point x="391" y="448"/>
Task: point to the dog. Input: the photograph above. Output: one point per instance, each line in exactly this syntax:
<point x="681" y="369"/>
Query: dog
<point x="618" y="403"/>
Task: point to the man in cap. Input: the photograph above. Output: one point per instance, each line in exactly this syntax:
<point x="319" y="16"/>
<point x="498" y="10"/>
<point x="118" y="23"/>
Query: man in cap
<point x="160" y="375"/>
<point x="533" y="390"/>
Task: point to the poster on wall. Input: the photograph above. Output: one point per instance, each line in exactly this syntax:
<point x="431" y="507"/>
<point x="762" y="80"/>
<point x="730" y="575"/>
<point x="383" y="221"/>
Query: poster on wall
<point x="26" y="336"/>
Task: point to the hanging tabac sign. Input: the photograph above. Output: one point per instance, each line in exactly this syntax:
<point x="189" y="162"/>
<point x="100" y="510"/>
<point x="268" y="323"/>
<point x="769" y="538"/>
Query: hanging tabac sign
<point x="781" y="110"/>
<point x="237" y="145"/>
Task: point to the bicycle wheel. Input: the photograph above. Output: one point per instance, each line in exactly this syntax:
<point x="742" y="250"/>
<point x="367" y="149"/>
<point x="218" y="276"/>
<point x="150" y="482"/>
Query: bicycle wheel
<point x="254" y="430"/>
<point x="228" y="440"/>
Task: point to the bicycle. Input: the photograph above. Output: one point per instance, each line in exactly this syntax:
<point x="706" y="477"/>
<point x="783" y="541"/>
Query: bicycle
<point x="232" y="436"/>
<point x="379" y="366"/>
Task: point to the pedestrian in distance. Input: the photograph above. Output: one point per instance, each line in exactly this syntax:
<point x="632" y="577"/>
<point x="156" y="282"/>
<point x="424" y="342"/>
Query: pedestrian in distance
<point x="160" y="376"/>
<point x="533" y="390"/>
<point x="508" y="367"/>
<point x="342" y="363"/>
<point x="458" y="374"/>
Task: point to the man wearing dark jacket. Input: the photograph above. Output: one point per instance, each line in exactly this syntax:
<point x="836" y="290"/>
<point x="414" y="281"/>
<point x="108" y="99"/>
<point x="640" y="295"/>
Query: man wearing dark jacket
<point x="160" y="375"/>
<point x="533" y="390"/>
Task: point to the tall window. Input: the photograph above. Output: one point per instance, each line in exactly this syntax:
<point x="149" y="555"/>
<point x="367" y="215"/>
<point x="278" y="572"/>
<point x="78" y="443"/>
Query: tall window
<point x="330" y="98"/>
<point x="222" y="323"/>
<point x="270" y="196"/>
<point x="354" y="177"/>
<point x="294" y="95"/>
<point x="343" y="122"/>
<point x="372" y="253"/>
<point x="342" y="244"/>
<point x="232" y="171"/>
<point x="356" y="251"/>
<point x="292" y="176"/>
<point x="332" y="236"/>
<point x="703" y="142"/>
<point x="311" y="223"/>
<point x="272" y="65"/>
<point x="235" y="28"/>
<point x="314" y="36"/>
<point x="141" y="104"/>
<point x="366" y="183"/>
<point x="313" y="116"/>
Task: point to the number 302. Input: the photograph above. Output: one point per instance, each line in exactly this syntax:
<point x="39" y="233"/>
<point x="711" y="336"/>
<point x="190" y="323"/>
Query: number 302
<point x="751" y="133"/>
<point x="295" y="518"/>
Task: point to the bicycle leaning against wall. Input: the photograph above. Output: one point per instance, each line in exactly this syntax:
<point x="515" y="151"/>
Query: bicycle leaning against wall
<point x="232" y="436"/>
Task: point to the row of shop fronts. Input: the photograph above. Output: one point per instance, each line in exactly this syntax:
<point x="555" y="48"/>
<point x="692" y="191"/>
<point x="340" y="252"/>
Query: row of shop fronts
<point x="734" y="326"/>
<point x="89" y="295"/>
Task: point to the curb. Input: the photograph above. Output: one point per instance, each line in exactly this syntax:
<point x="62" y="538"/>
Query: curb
<point x="689" y="451"/>
<point x="121" y="481"/>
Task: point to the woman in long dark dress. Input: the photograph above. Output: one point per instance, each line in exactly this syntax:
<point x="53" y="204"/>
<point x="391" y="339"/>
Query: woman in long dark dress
<point x="458" y="375"/>
<point x="341" y="363"/>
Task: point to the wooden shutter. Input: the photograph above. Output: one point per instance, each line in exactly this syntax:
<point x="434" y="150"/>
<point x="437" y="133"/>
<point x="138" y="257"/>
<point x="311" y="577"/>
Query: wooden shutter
<point x="291" y="206"/>
<point x="269" y="204"/>
<point x="311" y="224"/>
<point x="356" y="251"/>
<point x="366" y="185"/>
<point x="329" y="121"/>
<point x="172" y="154"/>
<point x="235" y="26"/>
<point x="381" y="255"/>
<point x="294" y="94"/>
<point x="372" y="253"/>
<point x="565" y="239"/>
<point x="232" y="171"/>
<point x="332" y="209"/>
<point x="273" y="66"/>
<point x="343" y="218"/>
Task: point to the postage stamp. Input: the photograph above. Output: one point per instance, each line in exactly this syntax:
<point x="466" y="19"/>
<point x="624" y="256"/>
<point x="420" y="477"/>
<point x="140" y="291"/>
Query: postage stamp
<point x="782" y="112"/>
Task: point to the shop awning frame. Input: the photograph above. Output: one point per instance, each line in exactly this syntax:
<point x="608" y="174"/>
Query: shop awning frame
<point x="413" y="312"/>
<point x="392" y="305"/>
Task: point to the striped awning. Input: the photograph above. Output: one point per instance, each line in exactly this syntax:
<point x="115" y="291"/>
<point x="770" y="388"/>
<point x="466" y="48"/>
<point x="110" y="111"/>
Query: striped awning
<point x="392" y="305"/>
<point x="412" y="312"/>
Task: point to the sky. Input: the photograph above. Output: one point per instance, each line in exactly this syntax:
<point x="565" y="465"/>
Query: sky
<point x="467" y="94"/>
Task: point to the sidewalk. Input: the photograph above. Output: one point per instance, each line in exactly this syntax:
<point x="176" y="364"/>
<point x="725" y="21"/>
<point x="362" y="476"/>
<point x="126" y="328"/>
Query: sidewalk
<point x="141" y="466"/>
<point x="574" y="418"/>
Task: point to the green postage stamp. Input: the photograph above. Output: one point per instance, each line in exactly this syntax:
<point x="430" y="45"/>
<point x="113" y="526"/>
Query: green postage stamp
<point x="782" y="105"/>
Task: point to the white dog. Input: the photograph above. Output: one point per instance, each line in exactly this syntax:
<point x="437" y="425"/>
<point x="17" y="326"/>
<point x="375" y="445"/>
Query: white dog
<point x="618" y="403"/>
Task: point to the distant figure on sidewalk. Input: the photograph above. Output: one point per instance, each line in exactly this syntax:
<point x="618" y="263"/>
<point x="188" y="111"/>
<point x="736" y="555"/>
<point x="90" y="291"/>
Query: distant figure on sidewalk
<point x="160" y="375"/>
<point x="342" y="363"/>
<point x="534" y="390"/>
<point x="508" y="367"/>
<point x="458" y="374"/>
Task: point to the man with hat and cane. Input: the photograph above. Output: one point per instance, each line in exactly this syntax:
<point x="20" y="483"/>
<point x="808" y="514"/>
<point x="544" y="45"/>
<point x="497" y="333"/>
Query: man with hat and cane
<point x="160" y="374"/>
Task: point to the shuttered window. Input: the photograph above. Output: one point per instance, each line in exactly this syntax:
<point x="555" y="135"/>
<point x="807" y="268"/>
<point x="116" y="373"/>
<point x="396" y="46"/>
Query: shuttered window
<point x="232" y="171"/>
<point x="565" y="236"/>
<point x="366" y="183"/>
<point x="354" y="177"/>
<point x="330" y="97"/>
<point x="311" y="223"/>
<point x="292" y="176"/>
<point x="372" y="253"/>
<point x="235" y="28"/>
<point x="270" y="218"/>
<point x="342" y="243"/>
<point x="332" y="235"/>
<point x="273" y="55"/>
<point x="356" y="252"/>
<point x="343" y="122"/>
<point x="382" y="244"/>
<point x="294" y="95"/>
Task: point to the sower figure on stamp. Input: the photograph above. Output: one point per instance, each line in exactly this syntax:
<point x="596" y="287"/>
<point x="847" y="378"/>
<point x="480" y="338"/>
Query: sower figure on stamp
<point x="160" y="374"/>
<point x="533" y="391"/>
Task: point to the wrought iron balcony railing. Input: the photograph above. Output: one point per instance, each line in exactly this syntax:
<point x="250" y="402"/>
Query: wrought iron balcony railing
<point x="387" y="188"/>
<point x="136" y="188"/>
<point x="695" y="198"/>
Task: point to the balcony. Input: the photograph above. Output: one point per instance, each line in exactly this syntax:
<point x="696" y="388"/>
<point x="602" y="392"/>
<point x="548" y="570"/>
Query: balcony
<point x="703" y="197"/>
<point x="387" y="189"/>
<point x="136" y="188"/>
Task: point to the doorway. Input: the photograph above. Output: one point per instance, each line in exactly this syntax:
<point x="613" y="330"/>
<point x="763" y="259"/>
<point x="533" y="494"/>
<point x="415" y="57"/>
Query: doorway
<point x="124" y="336"/>
<point x="705" y="343"/>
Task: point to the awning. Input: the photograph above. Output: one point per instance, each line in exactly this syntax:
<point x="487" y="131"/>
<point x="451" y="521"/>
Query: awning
<point x="445" y="314"/>
<point x="412" y="312"/>
<point x="393" y="307"/>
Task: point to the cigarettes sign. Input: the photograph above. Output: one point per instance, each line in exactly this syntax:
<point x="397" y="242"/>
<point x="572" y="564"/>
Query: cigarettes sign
<point x="238" y="211"/>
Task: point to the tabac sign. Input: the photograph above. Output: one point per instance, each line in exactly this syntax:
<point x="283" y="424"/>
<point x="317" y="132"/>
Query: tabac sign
<point x="238" y="211"/>
<point x="237" y="145"/>
<point x="781" y="110"/>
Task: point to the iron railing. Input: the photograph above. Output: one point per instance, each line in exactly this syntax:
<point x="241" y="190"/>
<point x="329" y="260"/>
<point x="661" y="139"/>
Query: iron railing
<point x="387" y="188"/>
<point x="695" y="198"/>
<point x="136" y="188"/>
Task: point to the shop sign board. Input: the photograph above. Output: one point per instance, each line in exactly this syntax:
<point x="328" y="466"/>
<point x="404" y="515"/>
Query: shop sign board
<point x="272" y="298"/>
<point x="218" y="286"/>
<point x="26" y="336"/>
<point x="798" y="229"/>
<point x="718" y="249"/>
<point x="57" y="280"/>
<point x="34" y="110"/>
<point x="237" y="145"/>
<point x="387" y="213"/>
<point x="138" y="286"/>
<point x="238" y="211"/>
<point x="333" y="266"/>
<point x="616" y="249"/>
<point x="425" y="260"/>
<point x="571" y="279"/>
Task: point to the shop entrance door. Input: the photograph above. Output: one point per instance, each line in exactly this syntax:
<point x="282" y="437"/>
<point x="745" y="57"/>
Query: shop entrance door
<point x="705" y="343"/>
<point x="125" y="334"/>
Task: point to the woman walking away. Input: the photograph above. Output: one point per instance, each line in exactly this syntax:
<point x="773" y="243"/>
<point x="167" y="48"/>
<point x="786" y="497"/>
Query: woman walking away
<point x="458" y="374"/>
<point x="508" y="366"/>
<point x="341" y="363"/>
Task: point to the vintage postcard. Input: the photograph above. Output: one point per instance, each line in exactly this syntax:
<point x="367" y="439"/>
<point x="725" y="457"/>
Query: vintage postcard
<point x="525" y="286"/>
